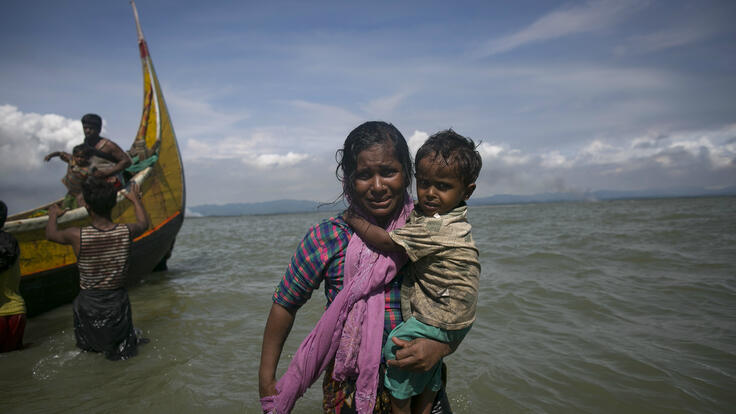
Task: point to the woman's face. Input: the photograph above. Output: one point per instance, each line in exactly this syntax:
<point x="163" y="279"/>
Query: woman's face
<point x="379" y="181"/>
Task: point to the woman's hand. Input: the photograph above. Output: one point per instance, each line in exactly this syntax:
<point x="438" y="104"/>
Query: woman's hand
<point x="267" y="387"/>
<point x="419" y="355"/>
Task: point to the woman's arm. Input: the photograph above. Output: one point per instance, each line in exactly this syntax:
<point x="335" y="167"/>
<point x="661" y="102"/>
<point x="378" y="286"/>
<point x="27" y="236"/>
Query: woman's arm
<point x="371" y="234"/>
<point x="278" y="326"/>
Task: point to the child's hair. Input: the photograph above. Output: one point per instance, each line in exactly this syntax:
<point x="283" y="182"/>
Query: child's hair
<point x="363" y="137"/>
<point x="84" y="150"/>
<point x="455" y="151"/>
<point x="99" y="195"/>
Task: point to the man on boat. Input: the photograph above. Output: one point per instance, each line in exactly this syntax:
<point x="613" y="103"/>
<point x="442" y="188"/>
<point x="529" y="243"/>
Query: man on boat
<point x="108" y="159"/>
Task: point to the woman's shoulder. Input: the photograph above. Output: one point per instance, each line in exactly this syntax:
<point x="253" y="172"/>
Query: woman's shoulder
<point x="330" y="230"/>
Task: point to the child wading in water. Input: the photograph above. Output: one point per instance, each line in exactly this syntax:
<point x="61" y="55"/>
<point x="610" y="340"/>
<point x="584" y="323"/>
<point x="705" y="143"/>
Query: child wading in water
<point x="440" y="291"/>
<point x="103" y="319"/>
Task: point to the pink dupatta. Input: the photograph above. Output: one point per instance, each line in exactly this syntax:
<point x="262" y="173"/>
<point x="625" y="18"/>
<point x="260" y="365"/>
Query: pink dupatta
<point x="351" y="329"/>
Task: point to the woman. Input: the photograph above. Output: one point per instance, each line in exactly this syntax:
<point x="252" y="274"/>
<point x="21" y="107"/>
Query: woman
<point x="375" y="168"/>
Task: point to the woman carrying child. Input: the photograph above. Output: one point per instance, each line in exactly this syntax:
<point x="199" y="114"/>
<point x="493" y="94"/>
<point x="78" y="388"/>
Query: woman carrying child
<point x="375" y="169"/>
<point x="440" y="291"/>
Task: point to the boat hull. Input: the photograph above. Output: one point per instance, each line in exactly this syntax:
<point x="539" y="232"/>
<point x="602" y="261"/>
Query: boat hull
<point x="52" y="288"/>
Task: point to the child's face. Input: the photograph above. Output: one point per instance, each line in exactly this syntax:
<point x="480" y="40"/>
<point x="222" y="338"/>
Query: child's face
<point x="439" y="187"/>
<point x="79" y="159"/>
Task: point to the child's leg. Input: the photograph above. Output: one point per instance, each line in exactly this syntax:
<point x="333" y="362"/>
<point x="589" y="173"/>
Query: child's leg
<point x="422" y="403"/>
<point x="401" y="406"/>
<point x="407" y="387"/>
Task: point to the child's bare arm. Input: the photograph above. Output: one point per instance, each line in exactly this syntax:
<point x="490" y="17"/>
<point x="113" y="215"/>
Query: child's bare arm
<point x="61" y="154"/>
<point x="141" y="223"/>
<point x="66" y="236"/>
<point x="371" y="234"/>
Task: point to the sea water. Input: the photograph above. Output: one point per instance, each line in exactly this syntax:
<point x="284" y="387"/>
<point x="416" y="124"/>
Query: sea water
<point x="598" y="307"/>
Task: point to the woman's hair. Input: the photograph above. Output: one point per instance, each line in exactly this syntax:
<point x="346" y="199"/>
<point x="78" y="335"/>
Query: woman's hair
<point x="455" y="151"/>
<point x="99" y="195"/>
<point x="363" y="137"/>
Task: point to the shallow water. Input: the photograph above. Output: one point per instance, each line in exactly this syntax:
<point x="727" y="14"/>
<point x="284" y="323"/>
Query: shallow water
<point x="622" y="306"/>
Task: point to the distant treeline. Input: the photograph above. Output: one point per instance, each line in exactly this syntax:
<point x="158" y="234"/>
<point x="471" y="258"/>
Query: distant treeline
<point x="304" y="206"/>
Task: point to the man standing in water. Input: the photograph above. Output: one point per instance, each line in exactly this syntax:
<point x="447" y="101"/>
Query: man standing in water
<point x="108" y="160"/>
<point x="103" y="320"/>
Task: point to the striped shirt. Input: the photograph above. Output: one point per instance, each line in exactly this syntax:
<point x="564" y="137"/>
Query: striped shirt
<point x="103" y="257"/>
<point x="319" y="257"/>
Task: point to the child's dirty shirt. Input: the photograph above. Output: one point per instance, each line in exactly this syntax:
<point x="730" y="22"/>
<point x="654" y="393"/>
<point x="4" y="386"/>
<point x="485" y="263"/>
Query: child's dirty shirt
<point x="441" y="287"/>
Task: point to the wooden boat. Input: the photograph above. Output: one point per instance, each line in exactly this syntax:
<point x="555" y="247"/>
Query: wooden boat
<point x="49" y="276"/>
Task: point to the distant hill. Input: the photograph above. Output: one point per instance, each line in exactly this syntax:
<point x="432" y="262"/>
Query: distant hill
<point x="304" y="206"/>
<point x="602" y="195"/>
<point x="267" y="207"/>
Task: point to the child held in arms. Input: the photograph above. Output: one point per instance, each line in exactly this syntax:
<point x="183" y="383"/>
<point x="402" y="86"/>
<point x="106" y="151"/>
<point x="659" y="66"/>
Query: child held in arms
<point x="78" y="170"/>
<point x="440" y="289"/>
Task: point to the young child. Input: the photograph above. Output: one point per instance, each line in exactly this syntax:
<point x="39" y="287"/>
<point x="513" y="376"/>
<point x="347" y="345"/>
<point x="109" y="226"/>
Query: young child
<point x="102" y="316"/>
<point x="78" y="170"/>
<point x="440" y="291"/>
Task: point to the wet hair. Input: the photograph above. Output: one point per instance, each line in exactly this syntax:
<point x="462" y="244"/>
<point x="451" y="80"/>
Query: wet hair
<point x="3" y="213"/>
<point x="456" y="151"/>
<point x="83" y="150"/>
<point x="99" y="195"/>
<point x="92" y="119"/>
<point x="363" y="137"/>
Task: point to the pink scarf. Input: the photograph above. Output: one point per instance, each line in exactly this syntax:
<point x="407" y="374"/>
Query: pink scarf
<point x="351" y="329"/>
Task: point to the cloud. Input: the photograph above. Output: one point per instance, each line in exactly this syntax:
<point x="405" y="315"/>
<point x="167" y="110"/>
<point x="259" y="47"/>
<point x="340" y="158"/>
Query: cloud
<point x="381" y="108"/>
<point x="590" y="17"/>
<point x="25" y="138"/>
<point x="415" y="141"/>
<point x="705" y="158"/>
<point x="665" y="39"/>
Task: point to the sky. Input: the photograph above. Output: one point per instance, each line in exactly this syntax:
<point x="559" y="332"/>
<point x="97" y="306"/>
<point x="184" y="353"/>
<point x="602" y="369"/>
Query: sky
<point x="560" y="95"/>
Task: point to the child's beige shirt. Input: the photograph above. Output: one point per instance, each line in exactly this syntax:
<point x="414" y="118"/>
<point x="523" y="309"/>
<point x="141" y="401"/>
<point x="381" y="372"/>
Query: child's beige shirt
<point x="441" y="285"/>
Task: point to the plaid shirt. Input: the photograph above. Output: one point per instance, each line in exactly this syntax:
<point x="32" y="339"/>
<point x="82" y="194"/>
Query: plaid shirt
<point x="321" y="256"/>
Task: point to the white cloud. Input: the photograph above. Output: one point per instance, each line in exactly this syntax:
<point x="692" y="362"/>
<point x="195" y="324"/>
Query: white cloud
<point x="382" y="107"/>
<point x="249" y="150"/>
<point x="658" y="159"/>
<point x="276" y="160"/>
<point x="415" y="141"/>
<point x="25" y="138"/>
<point x="665" y="39"/>
<point x="590" y="17"/>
